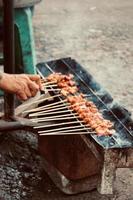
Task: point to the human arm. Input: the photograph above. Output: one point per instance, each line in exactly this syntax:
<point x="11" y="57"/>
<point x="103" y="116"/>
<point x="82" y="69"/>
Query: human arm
<point x="23" y="85"/>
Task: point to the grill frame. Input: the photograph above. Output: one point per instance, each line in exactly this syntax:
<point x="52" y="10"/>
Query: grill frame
<point x="109" y="158"/>
<point x="100" y="96"/>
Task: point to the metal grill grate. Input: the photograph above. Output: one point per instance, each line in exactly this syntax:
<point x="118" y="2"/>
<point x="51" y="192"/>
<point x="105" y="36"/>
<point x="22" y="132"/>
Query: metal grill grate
<point x="123" y="135"/>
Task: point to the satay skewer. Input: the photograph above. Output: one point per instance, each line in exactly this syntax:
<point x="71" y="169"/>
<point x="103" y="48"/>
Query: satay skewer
<point x="66" y="105"/>
<point x="43" y="110"/>
<point x="52" y="110"/>
<point x="58" y="124"/>
<point x="63" y="128"/>
<point x="56" y="108"/>
<point x="53" y="119"/>
<point x="56" y="116"/>
<point x="68" y="130"/>
<point x="73" y="130"/>
<point x="54" y="105"/>
<point x="51" y="90"/>
<point x="64" y="133"/>
<point x="49" y="108"/>
<point x="44" y="99"/>
<point x="48" y="98"/>
<point x="65" y="82"/>
<point x="46" y="106"/>
<point x="51" y="85"/>
<point x="41" y="114"/>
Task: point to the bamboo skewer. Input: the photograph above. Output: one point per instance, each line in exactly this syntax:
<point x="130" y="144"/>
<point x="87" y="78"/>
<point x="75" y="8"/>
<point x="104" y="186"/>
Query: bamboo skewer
<point x="52" y="97"/>
<point x="55" y="103"/>
<point x="51" y="110"/>
<point x="63" y="128"/>
<point x="56" y="106"/>
<point x="44" y="80"/>
<point x="50" y="82"/>
<point x="51" y="106"/>
<point x="64" y="133"/>
<point x="48" y="98"/>
<point x="56" y="116"/>
<point x="46" y="106"/>
<point x="49" y="113"/>
<point x="47" y="86"/>
<point x="74" y="130"/>
<point x="60" y="124"/>
<point x="51" y="90"/>
<point x="53" y="119"/>
<point x="45" y="99"/>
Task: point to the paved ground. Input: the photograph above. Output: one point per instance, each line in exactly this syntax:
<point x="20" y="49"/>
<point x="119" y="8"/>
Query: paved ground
<point x="98" y="34"/>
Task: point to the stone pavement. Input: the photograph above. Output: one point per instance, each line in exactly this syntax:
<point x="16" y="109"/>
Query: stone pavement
<point x="98" y="34"/>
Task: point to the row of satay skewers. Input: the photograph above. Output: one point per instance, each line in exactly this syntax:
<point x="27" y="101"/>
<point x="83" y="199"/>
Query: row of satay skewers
<point x="85" y="111"/>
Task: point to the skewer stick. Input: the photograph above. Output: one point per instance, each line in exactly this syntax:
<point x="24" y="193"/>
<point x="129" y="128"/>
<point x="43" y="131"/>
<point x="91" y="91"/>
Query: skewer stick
<point x="51" y="85"/>
<point x="53" y="119"/>
<point x="62" y="128"/>
<point x="48" y="98"/>
<point x="56" y="116"/>
<point x="51" y="110"/>
<point x="41" y="75"/>
<point x="46" y="106"/>
<point x="52" y="104"/>
<point x="56" y="106"/>
<point x="52" y="107"/>
<point x="45" y="99"/>
<point x="49" y="113"/>
<point x="53" y="90"/>
<point x="60" y="124"/>
<point x="50" y="82"/>
<point x="64" y="133"/>
<point x="73" y="130"/>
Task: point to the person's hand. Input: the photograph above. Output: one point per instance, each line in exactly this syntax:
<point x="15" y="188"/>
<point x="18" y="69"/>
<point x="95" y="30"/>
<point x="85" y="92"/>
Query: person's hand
<point x="23" y="85"/>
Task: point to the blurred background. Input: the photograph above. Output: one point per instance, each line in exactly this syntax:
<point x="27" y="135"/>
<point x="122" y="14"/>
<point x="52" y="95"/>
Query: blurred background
<point x="98" y="34"/>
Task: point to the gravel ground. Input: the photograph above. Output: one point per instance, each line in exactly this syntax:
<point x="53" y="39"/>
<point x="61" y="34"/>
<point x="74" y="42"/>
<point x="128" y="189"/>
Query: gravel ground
<point x="98" y="34"/>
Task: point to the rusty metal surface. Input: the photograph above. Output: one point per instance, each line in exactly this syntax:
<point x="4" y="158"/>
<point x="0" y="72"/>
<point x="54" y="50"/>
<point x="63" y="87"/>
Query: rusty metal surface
<point x="70" y="155"/>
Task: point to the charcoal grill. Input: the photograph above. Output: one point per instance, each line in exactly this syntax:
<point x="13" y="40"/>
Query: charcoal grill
<point x="76" y="163"/>
<point x="89" y="160"/>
